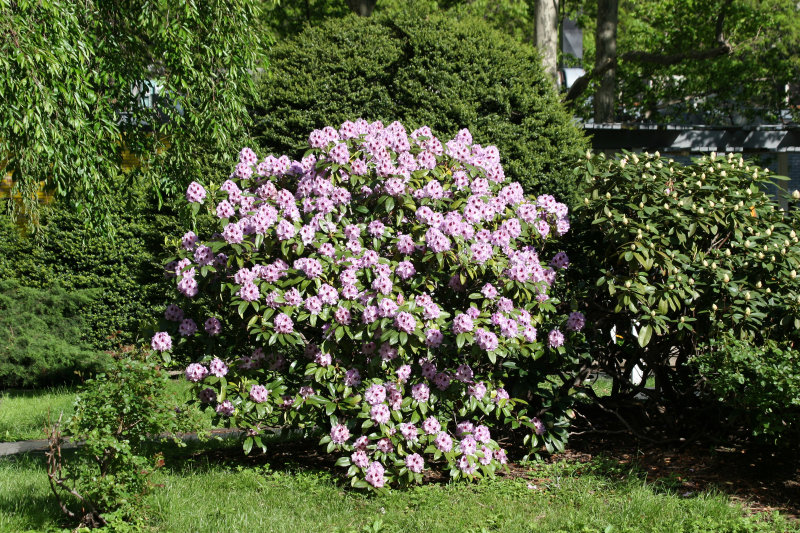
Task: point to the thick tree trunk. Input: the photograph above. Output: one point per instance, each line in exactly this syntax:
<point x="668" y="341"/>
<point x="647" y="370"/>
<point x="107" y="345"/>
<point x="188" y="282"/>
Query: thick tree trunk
<point x="362" y="8"/>
<point x="606" y="45"/>
<point x="546" y="30"/>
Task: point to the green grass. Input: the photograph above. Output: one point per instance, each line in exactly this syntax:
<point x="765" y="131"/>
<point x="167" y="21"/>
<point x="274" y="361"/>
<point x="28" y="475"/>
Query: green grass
<point x="197" y="496"/>
<point x="23" y="413"/>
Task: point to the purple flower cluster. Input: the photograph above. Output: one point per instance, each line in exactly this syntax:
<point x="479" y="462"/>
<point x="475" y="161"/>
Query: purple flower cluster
<point x="357" y="252"/>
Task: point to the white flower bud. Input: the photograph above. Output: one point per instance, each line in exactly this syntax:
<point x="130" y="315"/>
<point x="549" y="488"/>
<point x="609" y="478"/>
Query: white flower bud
<point x="652" y="313"/>
<point x="608" y="196"/>
<point x="628" y="284"/>
<point x="747" y="311"/>
<point x="586" y="201"/>
<point x="758" y="285"/>
<point x="705" y="262"/>
<point x="683" y="319"/>
<point x="728" y="252"/>
<point x="796" y="194"/>
<point x="793" y="274"/>
<point x="726" y="278"/>
<point x="641" y="205"/>
<point x="748" y="191"/>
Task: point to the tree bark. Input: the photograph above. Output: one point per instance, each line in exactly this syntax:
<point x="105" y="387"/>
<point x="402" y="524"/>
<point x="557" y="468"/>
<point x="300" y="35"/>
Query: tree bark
<point x="546" y="32"/>
<point x="362" y="8"/>
<point x="606" y="45"/>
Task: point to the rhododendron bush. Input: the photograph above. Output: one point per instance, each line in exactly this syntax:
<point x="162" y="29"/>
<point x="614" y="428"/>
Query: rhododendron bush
<point x="393" y="290"/>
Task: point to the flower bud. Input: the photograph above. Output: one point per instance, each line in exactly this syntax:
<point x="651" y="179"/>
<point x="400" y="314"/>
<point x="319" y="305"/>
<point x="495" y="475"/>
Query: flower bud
<point x="683" y="319"/>
<point x="714" y="307"/>
<point x="758" y="285"/>
<point x="793" y="274"/>
<point x="628" y="284"/>
<point x="796" y="194"/>
<point x="705" y="263"/>
<point x="652" y="313"/>
<point x="726" y="278"/>
<point x="608" y="196"/>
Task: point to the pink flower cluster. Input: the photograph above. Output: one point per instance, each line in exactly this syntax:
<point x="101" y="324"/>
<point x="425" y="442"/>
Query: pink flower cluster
<point x="377" y="241"/>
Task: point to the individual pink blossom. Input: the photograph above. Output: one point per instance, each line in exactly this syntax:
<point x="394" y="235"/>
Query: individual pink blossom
<point x="188" y="287"/>
<point x="477" y="390"/>
<point x="420" y="392"/>
<point x="406" y="322"/>
<point x="576" y="321"/>
<point x="464" y="427"/>
<point x="555" y="338"/>
<point x="482" y="434"/>
<point x="352" y="377"/>
<point x="225" y="209"/>
<point x="196" y="372"/>
<point x="173" y="313"/>
<point x="403" y="373"/>
<point x="431" y="426"/>
<point x="443" y="442"/>
<point x="375" y="475"/>
<point x="283" y="323"/>
<point x="464" y="373"/>
<point x="462" y="323"/>
<point x="433" y="338"/>
<point x="415" y="463"/>
<point x="538" y="426"/>
<point x="380" y="413"/>
<point x="259" y="393"/>
<point x="339" y="434"/>
<point x="468" y="445"/>
<point x="217" y="367"/>
<point x="213" y="326"/>
<point x="442" y="380"/>
<point x="225" y="408"/>
<point x="360" y="458"/>
<point x="375" y="394"/>
<point x="161" y="342"/>
<point x="187" y="327"/>
<point x="195" y="193"/>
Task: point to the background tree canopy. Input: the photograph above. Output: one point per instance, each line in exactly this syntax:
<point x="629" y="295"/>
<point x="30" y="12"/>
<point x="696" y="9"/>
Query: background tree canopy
<point x="435" y="70"/>
<point x="78" y="90"/>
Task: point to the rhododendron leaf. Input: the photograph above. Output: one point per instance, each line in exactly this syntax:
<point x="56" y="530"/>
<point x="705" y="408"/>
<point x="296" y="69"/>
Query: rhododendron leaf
<point x="343" y="461"/>
<point x="247" y="445"/>
<point x="492" y="356"/>
<point x="389" y="204"/>
<point x="359" y="483"/>
<point x="645" y="332"/>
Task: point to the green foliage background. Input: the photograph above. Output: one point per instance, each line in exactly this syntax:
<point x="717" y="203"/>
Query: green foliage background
<point x="123" y="272"/>
<point x="437" y="71"/>
<point x="41" y="331"/>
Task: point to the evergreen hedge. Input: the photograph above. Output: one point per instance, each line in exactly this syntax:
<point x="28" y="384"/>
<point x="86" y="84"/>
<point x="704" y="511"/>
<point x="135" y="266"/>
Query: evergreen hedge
<point x="437" y="71"/>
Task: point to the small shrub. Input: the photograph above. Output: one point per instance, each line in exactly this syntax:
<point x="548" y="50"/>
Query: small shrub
<point x="41" y="331"/>
<point x="757" y="386"/>
<point x="681" y="255"/>
<point x="118" y="416"/>
<point x="384" y="288"/>
<point x="429" y="70"/>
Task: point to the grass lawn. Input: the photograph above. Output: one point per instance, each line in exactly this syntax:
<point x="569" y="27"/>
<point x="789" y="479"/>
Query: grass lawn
<point x="203" y="495"/>
<point x="23" y="413"/>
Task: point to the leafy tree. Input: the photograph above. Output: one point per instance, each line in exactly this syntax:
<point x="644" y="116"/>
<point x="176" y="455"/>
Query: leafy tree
<point x="712" y="61"/>
<point x="79" y="90"/>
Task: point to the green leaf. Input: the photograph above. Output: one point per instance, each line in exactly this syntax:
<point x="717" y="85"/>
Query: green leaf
<point x="645" y="332"/>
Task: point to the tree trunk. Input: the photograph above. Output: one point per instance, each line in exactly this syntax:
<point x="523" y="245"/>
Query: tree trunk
<point x="362" y="8"/>
<point x="546" y="30"/>
<point x="606" y="45"/>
